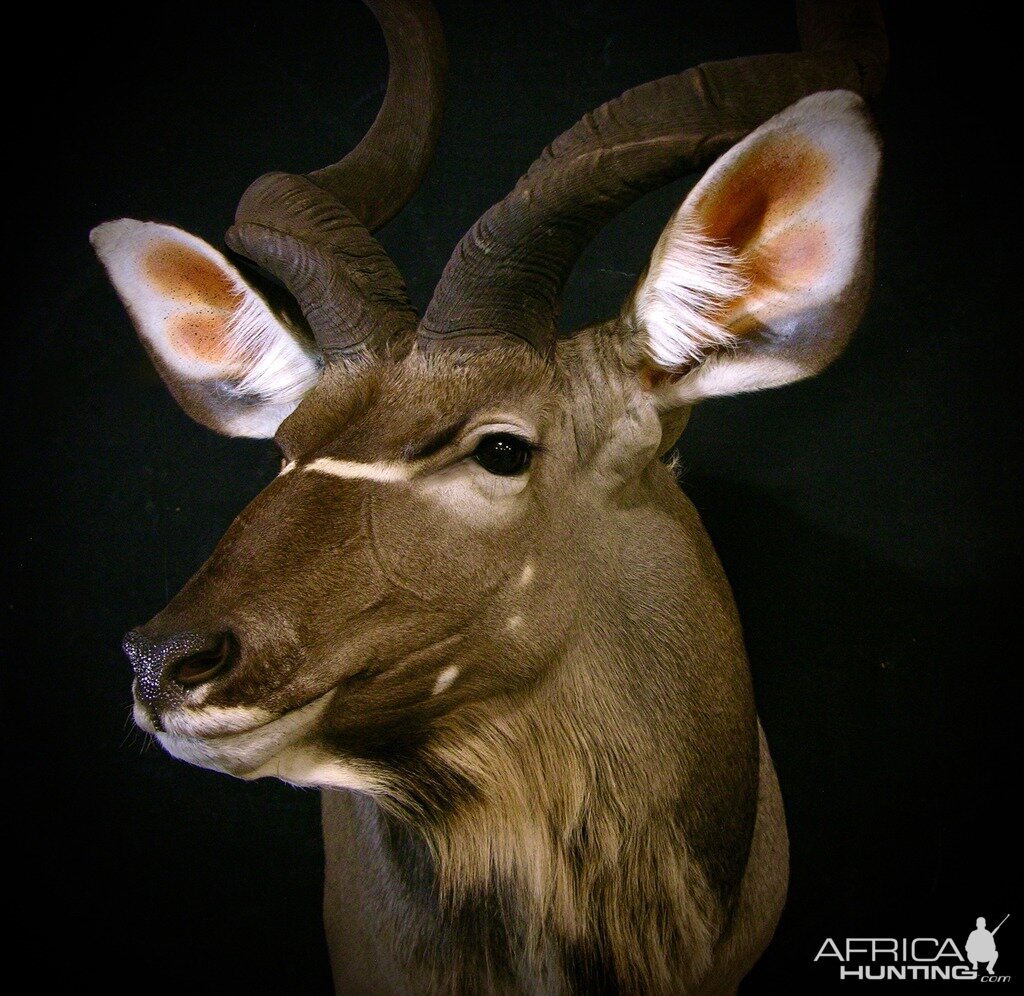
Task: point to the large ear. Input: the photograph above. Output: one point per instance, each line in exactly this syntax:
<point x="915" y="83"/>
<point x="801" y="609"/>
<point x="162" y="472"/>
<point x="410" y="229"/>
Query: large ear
<point x="229" y="361"/>
<point x="763" y="273"/>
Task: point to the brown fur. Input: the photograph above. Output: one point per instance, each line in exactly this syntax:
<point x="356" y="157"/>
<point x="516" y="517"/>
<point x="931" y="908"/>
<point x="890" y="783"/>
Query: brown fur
<point x="602" y="779"/>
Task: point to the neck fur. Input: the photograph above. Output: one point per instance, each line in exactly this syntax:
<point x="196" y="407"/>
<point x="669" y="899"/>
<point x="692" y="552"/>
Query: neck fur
<point x="565" y="860"/>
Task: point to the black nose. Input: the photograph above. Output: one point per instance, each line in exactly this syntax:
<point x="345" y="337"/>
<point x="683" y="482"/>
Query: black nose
<point x="166" y="665"/>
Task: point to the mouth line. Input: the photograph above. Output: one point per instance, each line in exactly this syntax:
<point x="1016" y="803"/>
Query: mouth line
<point x="249" y="729"/>
<point x="244" y="752"/>
<point x="172" y="724"/>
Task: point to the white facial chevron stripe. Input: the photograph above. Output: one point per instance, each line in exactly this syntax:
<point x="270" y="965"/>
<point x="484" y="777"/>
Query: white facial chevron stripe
<point x="382" y="470"/>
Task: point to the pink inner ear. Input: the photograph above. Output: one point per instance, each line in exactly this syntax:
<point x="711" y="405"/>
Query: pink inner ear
<point x="776" y="177"/>
<point x="202" y="335"/>
<point x="206" y="294"/>
<point x="186" y="276"/>
<point x="775" y="180"/>
<point x="793" y="259"/>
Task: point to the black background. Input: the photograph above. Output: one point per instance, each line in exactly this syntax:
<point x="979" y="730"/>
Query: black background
<point x="867" y="519"/>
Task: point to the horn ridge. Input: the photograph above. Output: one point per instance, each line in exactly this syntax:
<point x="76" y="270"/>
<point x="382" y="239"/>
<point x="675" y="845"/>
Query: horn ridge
<point x="312" y="231"/>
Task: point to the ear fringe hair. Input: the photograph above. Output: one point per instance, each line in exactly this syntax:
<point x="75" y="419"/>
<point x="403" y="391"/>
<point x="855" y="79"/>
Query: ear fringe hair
<point x="680" y="305"/>
<point x="278" y="368"/>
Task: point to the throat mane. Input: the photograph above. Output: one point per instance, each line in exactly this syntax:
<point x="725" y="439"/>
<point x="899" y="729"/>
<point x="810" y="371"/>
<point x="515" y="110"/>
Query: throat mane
<point x="547" y="870"/>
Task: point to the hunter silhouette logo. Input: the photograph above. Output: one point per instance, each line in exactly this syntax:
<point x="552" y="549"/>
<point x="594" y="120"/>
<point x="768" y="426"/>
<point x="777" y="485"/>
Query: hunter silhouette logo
<point x="981" y="945"/>
<point x="892" y="958"/>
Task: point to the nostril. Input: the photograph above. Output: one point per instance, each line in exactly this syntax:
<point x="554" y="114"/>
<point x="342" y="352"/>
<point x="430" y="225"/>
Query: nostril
<point x="204" y="665"/>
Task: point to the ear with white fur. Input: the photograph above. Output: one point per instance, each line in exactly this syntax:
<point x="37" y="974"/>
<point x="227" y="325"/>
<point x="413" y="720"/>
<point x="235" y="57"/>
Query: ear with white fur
<point x="762" y="275"/>
<point x="229" y="361"/>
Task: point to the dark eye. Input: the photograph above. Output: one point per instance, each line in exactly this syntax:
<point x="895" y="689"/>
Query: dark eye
<point x="503" y="454"/>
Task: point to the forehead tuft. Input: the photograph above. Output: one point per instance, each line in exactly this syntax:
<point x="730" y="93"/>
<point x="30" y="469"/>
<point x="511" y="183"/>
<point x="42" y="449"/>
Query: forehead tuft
<point x="379" y="410"/>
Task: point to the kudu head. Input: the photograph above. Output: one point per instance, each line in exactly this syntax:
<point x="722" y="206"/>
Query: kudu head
<point x="469" y="505"/>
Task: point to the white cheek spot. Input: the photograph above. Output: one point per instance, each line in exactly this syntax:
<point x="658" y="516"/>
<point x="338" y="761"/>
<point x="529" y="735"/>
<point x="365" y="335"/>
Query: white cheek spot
<point x="445" y="679"/>
<point x="514" y="624"/>
<point x="526" y="578"/>
<point x="287" y="468"/>
<point x="384" y="471"/>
